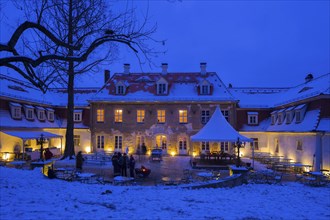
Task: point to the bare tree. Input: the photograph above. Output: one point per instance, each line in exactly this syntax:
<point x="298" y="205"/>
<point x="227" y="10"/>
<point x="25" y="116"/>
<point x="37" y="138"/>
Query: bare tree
<point x="66" y="34"/>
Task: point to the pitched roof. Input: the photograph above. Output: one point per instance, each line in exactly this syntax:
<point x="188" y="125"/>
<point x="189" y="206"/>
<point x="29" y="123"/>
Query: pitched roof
<point x="218" y="129"/>
<point x="181" y="87"/>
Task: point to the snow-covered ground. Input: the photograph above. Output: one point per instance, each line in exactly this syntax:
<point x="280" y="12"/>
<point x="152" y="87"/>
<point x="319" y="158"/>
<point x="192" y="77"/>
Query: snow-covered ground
<point x="27" y="194"/>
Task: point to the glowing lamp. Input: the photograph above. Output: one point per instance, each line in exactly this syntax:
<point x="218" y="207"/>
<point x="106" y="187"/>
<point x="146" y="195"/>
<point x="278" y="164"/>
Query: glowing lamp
<point x="173" y="153"/>
<point x="88" y="149"/>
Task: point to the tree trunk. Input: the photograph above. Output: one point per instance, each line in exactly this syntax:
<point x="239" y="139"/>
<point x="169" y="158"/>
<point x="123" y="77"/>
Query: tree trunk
<point x="69" y="143"/>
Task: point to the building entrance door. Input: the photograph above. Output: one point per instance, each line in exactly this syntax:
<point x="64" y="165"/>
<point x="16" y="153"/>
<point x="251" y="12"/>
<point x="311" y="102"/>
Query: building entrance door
<point x="161" y="143"/>
<point x="183" y="146"/>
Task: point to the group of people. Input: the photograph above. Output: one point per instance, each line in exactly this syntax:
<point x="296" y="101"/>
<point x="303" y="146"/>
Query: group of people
<point x="121" y="162"/>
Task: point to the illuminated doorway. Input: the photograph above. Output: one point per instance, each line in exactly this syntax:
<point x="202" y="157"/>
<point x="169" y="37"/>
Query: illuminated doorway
<point x="161" y="142"/>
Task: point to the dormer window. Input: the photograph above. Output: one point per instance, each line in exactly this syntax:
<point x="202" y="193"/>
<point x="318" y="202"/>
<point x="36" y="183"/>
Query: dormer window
<point x="280" y="116"/>
<point x="289" y="115"/>
<point x="120" y="88"/>
<point x="77" y="115"/>
<point x="299" y="112"/>
<point x="162" y="87"/>
<point x="273" y="117"/>
<point x="28" y="109"/>
<point x="50" y="114"/>
<point x="205" y="88"/>
<point x="252" y="118"/>
<point x="41" y="113"/>
<point x="16" y="110"/>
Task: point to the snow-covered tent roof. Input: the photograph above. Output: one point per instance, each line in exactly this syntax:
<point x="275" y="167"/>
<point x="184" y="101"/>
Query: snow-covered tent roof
<point x="27" y="135"/>
<point x="218" y="129"/>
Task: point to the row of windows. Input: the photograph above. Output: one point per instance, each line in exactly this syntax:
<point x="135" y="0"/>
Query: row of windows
<point x="41" y="113"/>
<point x="161" y="116"/>
<point x="162" y="88"/>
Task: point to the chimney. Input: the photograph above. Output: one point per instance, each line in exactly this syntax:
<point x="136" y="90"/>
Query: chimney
<point x="164" y="68"/>
<point x="309" y="78"/>
<point x="203" y="68"/>
<point x="126" y="68"/>
<point x="106" y="75"/>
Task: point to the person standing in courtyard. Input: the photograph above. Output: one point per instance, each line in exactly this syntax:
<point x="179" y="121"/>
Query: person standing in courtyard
<point x="131" y="166"/>
<point x="123" y="161"/>
<point x="79" y="161"/>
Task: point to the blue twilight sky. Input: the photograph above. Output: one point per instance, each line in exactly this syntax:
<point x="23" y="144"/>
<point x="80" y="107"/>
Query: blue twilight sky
<point x="248" y="43"/>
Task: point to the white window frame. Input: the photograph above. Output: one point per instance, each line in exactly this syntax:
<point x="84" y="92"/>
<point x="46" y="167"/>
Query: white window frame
<point x="161" y="88"/>
<point x="224" y="146"/>
<point x="205" y="116"/>
<point x="225" y="114"/>
<point x="16" y="110"/>
<point x="205" y="146"/>
<point x="118" y="142"/>
<point x="77" y="116"/>
<point x="100" y="141"/>
<point x="120" y="90"/>
<point x="253" y="118"/>
<point x="41" y="115"/>
<point x="182" y="143"/>
<point x="50" y="115"/>
<point x="273" y="118"/>
<point x="205" y="90"/>
<point x="29" y="114"/>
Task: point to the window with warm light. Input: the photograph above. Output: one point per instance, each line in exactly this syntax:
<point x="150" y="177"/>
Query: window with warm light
<point x="183" y="116"/>
<point x="140" y="116"/>
<point x="118" y="142"/>
<point x="100" y="115"/>
<point x="100" y="141"/>
<point x="118" y="115"/>
<point x="161" y="116"/>
<point x="76" y="140"/>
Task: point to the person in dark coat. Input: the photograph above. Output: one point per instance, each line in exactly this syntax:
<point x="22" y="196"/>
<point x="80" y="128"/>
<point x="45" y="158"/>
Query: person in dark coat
<point x="131" y="166"/>
<point x="123" y="161"/>
<point x="115" y="164"/>
<point x="144" y="149"/>
<point x="79" y="161"/>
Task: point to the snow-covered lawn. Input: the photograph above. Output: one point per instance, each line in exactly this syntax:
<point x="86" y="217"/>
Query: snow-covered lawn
<point x="27" y="194"/>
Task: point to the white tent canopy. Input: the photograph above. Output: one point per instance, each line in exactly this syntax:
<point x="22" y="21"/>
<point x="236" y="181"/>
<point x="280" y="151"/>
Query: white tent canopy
<point x="218" y="129"/>
<point x="27" y="135"/>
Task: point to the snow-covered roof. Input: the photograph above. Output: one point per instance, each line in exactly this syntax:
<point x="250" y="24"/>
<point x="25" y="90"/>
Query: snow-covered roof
<point x="276" y="97"/>
<point x="24" y="91"/>
<point x="26" y="135"/>
<point x="218" y="129"/>
<point x="181" y="87"/>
